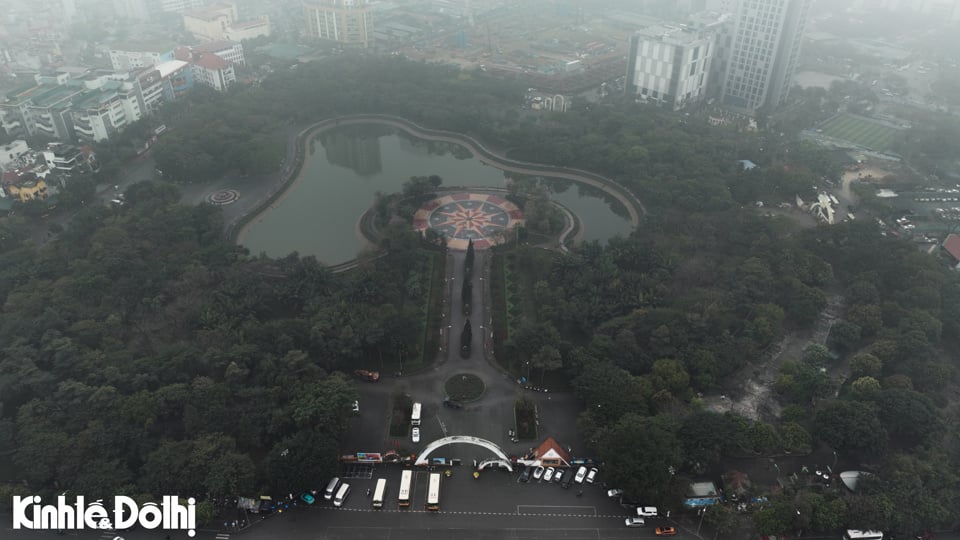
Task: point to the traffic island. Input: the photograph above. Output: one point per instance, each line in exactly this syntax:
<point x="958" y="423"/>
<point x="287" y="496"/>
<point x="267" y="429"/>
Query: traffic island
<point x="464" y="387"/>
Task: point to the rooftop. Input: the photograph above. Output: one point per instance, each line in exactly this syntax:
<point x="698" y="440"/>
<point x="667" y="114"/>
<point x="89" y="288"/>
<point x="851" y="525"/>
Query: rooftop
<point x="214" y="46"/>
<point x="952" y="246"/>
<point x="157" y="46"/>
<point x="252" y="23"/>
<point x="169" y="67"/>
<point x="673" y="35"/>
<point x="211" y="61"/>
<point x="94" y="99"/>
<point x="211" y="12"/>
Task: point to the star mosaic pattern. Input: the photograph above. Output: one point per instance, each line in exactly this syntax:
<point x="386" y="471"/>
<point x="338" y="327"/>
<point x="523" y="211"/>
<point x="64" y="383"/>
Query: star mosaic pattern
<point x="462" y="217"/>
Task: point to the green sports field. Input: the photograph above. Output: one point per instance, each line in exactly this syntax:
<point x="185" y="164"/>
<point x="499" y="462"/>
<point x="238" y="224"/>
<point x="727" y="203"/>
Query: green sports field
<point x="873" y="135"/>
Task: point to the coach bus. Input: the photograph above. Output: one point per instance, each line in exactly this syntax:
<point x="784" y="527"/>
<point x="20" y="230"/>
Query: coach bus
<point x="415" y="417"/>
<point x="379" y="493"/>
<point x="405" y="480"/>
<point x="433" y="494"/>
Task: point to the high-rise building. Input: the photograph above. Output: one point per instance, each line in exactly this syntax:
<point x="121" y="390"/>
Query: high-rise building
<point x="348" y="22"/>
<point x="763" y="55"/>
<point x="669" y="65"/>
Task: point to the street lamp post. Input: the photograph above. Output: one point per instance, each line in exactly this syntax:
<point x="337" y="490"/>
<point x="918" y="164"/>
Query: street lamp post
<point x="703" y="512"/>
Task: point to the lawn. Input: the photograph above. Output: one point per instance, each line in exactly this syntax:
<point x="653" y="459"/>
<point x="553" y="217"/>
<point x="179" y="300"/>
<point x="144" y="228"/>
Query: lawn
<point x="860" y="130"/>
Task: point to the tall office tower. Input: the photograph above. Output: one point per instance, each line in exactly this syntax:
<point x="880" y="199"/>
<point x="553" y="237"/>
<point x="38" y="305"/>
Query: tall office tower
<point x="669" y="65"/>
<point x="349" y="22"/>
<point x="764" y="52"/>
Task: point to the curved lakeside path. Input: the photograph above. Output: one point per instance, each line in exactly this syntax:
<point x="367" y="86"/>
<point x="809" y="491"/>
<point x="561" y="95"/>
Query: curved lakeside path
<point x="634" y="207"/>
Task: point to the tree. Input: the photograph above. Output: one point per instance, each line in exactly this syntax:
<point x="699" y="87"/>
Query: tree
<point x="669" y="374"/>
<point x="420" y="186"/>
<point x="721" y="518"/>
<point x="468" y="259"/>
<point x="795" y="437"/>
<point x="865" y="364"/>
<point x="910" y="417"/>
<point x="466" y="337"/>
<point x="865" y="389"/>
<point x="776" y="519"/>
<point x="817" y="355"/>
<point x="640" y="453"/>
<point x="546" y="359"/>
<point x="466" y="295"/>
<point x="851" y="426"/>
<point x="844" y="336"/>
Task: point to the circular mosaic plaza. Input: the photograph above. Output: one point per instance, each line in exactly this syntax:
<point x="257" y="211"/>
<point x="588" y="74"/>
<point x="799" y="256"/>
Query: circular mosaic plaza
<point x="223" y="197"/>
<point x="461" y="217"/>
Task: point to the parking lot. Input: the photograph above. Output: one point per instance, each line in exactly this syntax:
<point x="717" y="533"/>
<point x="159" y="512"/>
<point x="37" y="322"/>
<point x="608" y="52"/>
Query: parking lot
<point x="495" y="493"/>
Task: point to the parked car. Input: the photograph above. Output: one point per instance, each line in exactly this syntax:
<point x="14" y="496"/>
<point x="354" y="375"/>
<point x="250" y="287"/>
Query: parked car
<point x="581" y="474"/>
<point x="548" y="476"/>
<point x="356" y="407"/>
<point x="567" y="479"/>
<point x="525" y="475"/>
<point x="614" y="493"/>
<point x="369" y="376"/>
<point x="665" y="531"/>
<point x="592" y="475"/>
<point x="538" y="473"/>
<point x="307" y="498"/>
<point x="647" y="511"/>
<point x="635" y="522"/>
<point x="558" y="477"/>
<point x="415" y="434"/>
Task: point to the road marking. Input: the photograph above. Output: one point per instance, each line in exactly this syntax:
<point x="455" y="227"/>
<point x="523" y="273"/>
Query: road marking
<point x="223" y="536"/>
<point x="465" y="513"/>
<point x="588" y="508"/>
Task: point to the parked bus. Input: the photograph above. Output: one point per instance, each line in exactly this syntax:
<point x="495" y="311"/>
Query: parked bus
<point x="405" y="480"/>
<point x="380" y="493"/>
<point x="341" y="495"/>
<point x="433" y="495"/>
<point x="853" y="534"/>
<point x="415" y="417"/>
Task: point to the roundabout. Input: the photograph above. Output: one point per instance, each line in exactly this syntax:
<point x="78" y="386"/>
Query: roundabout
<point x="461" y="217"/>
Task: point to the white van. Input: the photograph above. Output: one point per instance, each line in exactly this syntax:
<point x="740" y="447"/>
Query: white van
<point x="581" y="474"/>
<point x="647" y="511"/>
<point x="341" y="495"/>
<point x="331" y="489"/>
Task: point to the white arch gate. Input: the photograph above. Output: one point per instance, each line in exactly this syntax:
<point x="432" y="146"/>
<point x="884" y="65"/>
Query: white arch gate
<point x="423" y="458"/>
<point x="494" y="461"/>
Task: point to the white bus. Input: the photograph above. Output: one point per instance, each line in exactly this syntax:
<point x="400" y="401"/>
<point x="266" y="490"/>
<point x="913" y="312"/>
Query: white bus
<point x="405" y="479"/>
<point x="853" y="534"/>
<point x="380" y="493"/>
<point x="341" y="495"/>
<point x="415" y="417"/>
<point x="433" y="495"/>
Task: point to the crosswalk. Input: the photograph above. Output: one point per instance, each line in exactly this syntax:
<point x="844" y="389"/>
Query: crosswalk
<point x="223" y="536"/>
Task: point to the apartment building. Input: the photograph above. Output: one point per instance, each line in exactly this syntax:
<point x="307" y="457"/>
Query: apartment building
<point x="347" y="22"/>
<point x="763" y="56"/>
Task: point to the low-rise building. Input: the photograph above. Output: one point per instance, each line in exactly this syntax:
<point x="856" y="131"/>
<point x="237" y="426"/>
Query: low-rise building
<point x="253" y="28"/>
<point x="231" y="51"/>
<point x="951" y="249"/>
<point x="12" y="154"/>
<point x="214" y="72"/>
<point x="125" y="57"/>
<point x="24" y="186"/>
<point x="211" y="22"/>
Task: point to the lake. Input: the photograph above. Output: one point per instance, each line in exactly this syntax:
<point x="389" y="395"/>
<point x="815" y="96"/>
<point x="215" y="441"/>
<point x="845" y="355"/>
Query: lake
<point x="345" y="167"/>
